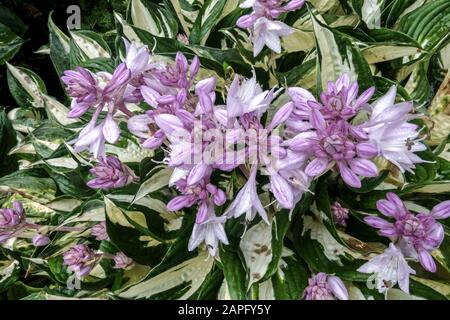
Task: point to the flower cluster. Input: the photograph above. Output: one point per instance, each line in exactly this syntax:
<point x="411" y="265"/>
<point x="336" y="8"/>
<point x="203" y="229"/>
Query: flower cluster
<point x="264" y="29"/>
<point x="304" y="139"/>
<point x="413" y="236"/>
<point x="325" y="287"/>
<point x="81" y="259"/>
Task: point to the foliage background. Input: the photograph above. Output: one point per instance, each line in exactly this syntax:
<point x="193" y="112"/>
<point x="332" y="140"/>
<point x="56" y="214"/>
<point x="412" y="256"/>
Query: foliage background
<point x="410" y="48"/>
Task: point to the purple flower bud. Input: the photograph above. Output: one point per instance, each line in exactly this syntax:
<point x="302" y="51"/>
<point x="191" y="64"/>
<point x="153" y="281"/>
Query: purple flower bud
<point x="198" y="172"/>
<point x="80" y="259"/>
<point x="11" y="221"/>
<point x="121" y="261"/>
<point x="181" y="202"/>
<point x="99" y="231"/>
<point x="202" y="213"/>
<point x="366" y="150"/>
<point x="324" y="287"/>
<point x="111" y="130"/>
<point x="282" y="115"/>
<point x="246" y="21"/>
<point x="220" y="197"/>
<point x="442" y="210"/>
<point x="83" y="88"/>
<point x="338" y="288"/>
<point x="111" y="173"/>
<point x="340" y="214"/>
<point x="206" y="85"/>
<point x="40" y="240"/>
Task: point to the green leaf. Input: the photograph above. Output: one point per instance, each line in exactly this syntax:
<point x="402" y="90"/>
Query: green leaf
<point x="26" y="87"/>
<point x="153" y="18"/>
<point x="338" y="54"/>
<point x="209" y="15"/>
<point x="180" y="282"/>
<point x="125" y="229"/>
<point x="234" y="272"/>
<point x="59" y="48"/>
<point x="10" y="43"/>
<point x="30" y="183"/>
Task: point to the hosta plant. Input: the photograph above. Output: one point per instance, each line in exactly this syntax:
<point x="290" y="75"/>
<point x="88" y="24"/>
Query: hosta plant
<point x="264" y="149"/>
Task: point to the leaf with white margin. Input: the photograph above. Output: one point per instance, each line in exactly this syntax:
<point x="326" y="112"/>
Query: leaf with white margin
<point x="331" y="248"/>
<point x="354" y="293"/>
<point x="224" y="292"/>
<point x="127" y="30"/>
<point x="26" y="80"/>
<point x="371" y="13"/>
<point x="191" y="272"/>
<point x="256" y="246"/>
<point x="397" y="294"/>
<point x="119" y="216"/>
<point x="381" y="53"/>
<point x="173" y="220"/>
<point x="91" y="48"/>
<point x="266" y="291"/>
<point x="338" y="54"/>
<point x="156" y="182"/>
<point x="131" y="153"/>
<point x="58" y="111"/>
<point x="64" y="204"/>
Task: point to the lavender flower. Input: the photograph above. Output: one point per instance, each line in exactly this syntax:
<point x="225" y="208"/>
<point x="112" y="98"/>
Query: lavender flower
<point x="337" y="145"/>
<point x="247" y="201"/>
<point x="180" y="75"/>
<point x="389" y="268"/>
<point x="80" y="259"/>
<point x="325" y="287"/>
<point x="211" y="231"/>
<point x="121" y="261"/>
<point x="245" y="96"/>
<point x="417" y="235"/>
<point x="99" y="231"/>
<point x="111" y="173"/>
<point x="340" y="214"/>
<point x="94" y="136"/>
<point x="264" y="30"/>
<point x="395" y="138"/>
<point x="12" y="221"/>
<point x="83" y="87"/>
<point x="40" y="240"/>
<point x="145" y="128"/>
<point x="340" y="101"/>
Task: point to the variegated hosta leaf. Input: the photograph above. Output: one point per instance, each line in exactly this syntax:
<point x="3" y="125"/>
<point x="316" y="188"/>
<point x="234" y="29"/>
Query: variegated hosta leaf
<point x="152" y="18"/>
<point x="338" y="54"/>
<point x="59" y="47"/>
<point x="256" y="246"/>
<point x="188" y="274"/>
<point x="26" y="87"/>
<point x="91" y="44"/>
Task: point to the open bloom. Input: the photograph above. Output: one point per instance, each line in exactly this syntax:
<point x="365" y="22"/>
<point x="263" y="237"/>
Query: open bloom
<point x="247" y="201"/>
<point x="264" y="30"/>
<point x="417" y="235"/>
<point x="388" y="129"/>
<point x="336" y="145"/>
<point x="389" y="268"/>
<point x="12" y="221"/>
<point x="80" y="259"/>
<point x="111" y="173"/>
<point x="325" y="287"/>
<point x="211" y="231"/>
